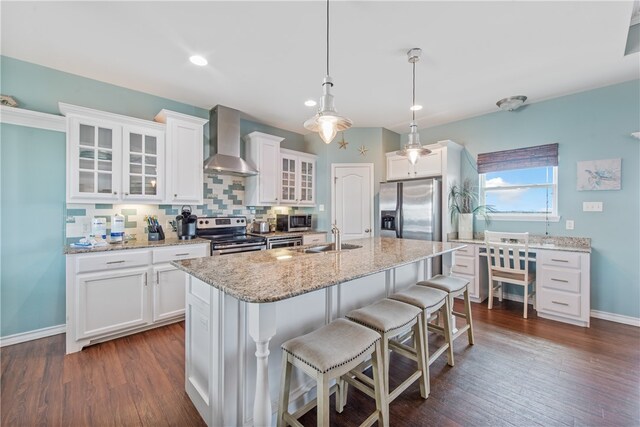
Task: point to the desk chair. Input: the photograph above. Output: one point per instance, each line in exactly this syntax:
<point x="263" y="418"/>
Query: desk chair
<point x="508" y="262"/>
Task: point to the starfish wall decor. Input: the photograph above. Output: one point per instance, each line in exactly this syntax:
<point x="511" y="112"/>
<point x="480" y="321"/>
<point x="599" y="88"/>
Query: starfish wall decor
<point x="363" y="150"/>
<point x="343" y="143"/>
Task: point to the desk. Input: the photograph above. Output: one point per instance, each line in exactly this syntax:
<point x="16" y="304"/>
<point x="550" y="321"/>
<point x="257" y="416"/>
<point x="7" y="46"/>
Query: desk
<point x="563" y="280"/>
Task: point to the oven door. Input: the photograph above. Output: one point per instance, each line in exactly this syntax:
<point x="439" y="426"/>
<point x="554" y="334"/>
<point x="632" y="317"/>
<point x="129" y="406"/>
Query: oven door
<point x="284" y="243"/>
<point x="234" y="249"/>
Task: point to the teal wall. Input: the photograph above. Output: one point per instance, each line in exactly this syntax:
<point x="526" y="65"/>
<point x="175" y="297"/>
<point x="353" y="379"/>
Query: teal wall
<point x="378" y="141"/>
<point x="32" y="268"/>
<point x="588" y="126"/>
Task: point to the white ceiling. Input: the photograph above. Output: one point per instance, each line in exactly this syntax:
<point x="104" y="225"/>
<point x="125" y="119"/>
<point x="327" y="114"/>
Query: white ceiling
<point x="266" y="58"/>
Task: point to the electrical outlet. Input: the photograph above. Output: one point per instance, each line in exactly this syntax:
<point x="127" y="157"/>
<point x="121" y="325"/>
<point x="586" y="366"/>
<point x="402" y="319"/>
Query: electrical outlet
<point x="592" y="206"/>
<point x="569" y="224"/>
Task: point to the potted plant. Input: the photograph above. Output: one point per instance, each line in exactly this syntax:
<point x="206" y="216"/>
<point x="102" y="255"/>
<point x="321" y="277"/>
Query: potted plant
<point x="462" y="199"/>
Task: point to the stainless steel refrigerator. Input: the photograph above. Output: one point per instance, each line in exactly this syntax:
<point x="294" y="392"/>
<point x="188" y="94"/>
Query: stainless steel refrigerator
<point x="412" y="210"/>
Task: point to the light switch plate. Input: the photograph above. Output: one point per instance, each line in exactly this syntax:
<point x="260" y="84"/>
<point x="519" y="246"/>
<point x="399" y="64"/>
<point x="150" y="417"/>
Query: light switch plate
<point x="569" y="224"/>
<point x="592" y="206"/>
<point x="321" y="208"/>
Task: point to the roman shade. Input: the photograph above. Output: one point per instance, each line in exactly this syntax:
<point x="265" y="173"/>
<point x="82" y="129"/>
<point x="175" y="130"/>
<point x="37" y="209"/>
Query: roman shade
<point x="520" y="158"/>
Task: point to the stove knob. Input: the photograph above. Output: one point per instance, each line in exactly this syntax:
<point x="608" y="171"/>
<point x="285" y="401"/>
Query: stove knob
<point x="237" y="220"/>
<point x="206" y="222"/>
<point x="200" y="222"/>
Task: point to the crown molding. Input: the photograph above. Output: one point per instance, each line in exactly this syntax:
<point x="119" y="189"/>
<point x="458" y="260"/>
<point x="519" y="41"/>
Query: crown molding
<point x="32" y="119"/>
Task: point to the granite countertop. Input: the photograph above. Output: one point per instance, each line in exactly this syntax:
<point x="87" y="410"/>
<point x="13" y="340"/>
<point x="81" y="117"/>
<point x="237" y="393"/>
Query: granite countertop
<point x="552" y="243"/>
<point x="269" y="276"/>
<point x="134" y="244"/>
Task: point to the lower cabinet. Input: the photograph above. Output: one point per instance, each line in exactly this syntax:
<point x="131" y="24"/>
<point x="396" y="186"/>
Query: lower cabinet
<point x="168" y="292"/>
<point x="115" y="293"/>
<point x="466" y="265"/>
<point x="311" y="238"/>
<point x="563" y="286"/>
<point x="111" y="301"/>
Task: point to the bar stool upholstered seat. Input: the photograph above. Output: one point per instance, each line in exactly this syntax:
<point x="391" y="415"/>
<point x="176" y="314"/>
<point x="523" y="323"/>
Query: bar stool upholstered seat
<point x="430" y="300"/>
<point x="391" y="319"/>
<point x="454" y="286"/>
<point x="328" y="353"/>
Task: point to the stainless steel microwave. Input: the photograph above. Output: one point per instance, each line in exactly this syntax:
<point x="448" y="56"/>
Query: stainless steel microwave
<point x="293" y="222"/>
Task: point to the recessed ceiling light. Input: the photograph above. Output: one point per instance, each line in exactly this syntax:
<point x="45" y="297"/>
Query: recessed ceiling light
<point x="416" y="107"/>
<point x="198" y="60"/>
<point x="310" y="103"/>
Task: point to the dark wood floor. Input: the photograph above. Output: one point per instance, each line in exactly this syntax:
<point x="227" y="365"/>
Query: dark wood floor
<point x="520" y="372"/>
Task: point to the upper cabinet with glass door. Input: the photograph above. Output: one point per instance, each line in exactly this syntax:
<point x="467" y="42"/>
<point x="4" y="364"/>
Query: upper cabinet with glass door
<point x="298" y="178"/>
<point x="94" y="156"/>
<point x="143" y="177"/>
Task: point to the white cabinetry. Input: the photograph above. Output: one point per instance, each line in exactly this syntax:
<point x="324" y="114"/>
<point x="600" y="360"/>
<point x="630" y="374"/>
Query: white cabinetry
<point x="563" y="286"/>
<point x="298" y="178"/>
<point x="311" y="238"/>
<point x="185" y="157"/>
<point x="116" y="158"/>
<point x="144" y="159"/>
<point x="263" y="153"/>
<point x="466" y="265"/>
<point x="94" y="158"/>
<point x="115" y="293"/>
<point x="398" y="167"/>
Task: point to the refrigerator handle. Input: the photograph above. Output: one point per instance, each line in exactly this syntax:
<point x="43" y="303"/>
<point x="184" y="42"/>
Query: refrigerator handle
<point x="399" y="212"/>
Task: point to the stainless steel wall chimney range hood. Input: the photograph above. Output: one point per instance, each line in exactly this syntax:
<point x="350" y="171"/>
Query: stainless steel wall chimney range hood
<point x="224" y="131"/>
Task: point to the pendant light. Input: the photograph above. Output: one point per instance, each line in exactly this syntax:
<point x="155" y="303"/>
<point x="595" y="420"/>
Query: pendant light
<point x="413" y="150"/>
<point x="327" y="122"/>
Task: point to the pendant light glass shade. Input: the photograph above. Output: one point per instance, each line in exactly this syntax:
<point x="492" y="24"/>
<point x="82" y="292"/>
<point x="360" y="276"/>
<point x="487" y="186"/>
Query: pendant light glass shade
<point x="413" y="150"/>
<point x="327" y="122"/>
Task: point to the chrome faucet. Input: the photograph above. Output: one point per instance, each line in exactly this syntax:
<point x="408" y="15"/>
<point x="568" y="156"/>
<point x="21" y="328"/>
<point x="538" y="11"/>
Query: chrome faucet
<point x="337" y="240"/>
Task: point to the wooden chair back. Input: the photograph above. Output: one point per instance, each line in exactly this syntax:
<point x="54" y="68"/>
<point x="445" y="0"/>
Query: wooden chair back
<point x="507" y="256"/>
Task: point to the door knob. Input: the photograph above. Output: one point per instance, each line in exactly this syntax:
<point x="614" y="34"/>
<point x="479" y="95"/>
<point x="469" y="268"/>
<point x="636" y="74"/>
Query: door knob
<point x="366" y="230"/>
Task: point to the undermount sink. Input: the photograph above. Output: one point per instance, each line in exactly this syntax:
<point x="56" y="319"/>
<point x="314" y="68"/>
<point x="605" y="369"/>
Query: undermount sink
<point x="331" y="247"/>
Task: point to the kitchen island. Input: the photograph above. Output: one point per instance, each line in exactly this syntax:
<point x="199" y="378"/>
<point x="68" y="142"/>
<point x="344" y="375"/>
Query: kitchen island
<point x="236" y="304"/>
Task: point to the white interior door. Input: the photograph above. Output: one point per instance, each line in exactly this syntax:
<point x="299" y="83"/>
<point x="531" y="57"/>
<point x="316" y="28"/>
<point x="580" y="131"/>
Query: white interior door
<point x="352" y="199"/>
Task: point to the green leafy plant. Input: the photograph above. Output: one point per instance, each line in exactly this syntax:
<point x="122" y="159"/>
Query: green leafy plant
<point x="462" y="199"/>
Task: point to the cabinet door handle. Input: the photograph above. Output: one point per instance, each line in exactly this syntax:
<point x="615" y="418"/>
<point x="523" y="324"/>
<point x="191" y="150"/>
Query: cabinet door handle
<point x="145" y="279"/>
<point x="186" y="253"/>
<point x="462" y="265"/>
<point x="115" y="193"/>
<point x="559" y="280"/>
<point x="115" y="262"/>
<point x="175" y="195"/>
<point x="157" y="278"/>
<point x="559" y="260"/>
<point x="560" y="303"/>
<point x="126" y="194"/>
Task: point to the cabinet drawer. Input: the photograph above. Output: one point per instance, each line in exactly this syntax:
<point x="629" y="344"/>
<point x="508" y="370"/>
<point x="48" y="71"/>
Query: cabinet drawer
<point x="119" y="259"/>
<point x="562" y="279"/>
<point x="308" y="239"/>
<point x="559" y="302"/>
<point x="464" y="265"/>
<point x="179" y="252"/>
<point x="561" y="259"/>
<point x="469" y="250"/>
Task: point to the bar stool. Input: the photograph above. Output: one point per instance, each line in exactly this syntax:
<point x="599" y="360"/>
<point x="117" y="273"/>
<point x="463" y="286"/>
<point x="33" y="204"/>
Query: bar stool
<point x="391" y="319"/>
<point x="454" y="286"/>
<point x="430" y="301"/>
<point x="329" y="353"/>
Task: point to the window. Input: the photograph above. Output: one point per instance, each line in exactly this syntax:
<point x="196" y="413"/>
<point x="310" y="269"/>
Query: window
<point x="522" y="194"/>
<point x="521" y="184"/>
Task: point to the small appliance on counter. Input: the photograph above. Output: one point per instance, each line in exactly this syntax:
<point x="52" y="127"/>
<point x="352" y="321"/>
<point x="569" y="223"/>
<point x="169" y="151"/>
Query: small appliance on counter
<point x="186" y="224"/>
<point x="293" y="222"/>
<point x="259" y="226"/>
<point x="117" y="228"/>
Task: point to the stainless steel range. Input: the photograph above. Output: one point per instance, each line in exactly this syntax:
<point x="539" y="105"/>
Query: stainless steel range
<point x="228" y="235"/>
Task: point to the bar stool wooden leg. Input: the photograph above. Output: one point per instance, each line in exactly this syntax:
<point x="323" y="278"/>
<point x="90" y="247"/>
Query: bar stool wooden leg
<point x="446" y="315"/>
<point x="382" y="405"/>
<point x="283" y="404"/>
<point x="490" y="304"/>
<point x="322" y="391"/>
<point x="419" y="334"/>
<point x="467" y="310"/>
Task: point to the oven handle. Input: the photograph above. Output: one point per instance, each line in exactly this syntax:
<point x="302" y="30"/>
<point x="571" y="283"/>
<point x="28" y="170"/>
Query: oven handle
<point x="241" y="245"/>
<point x="236" y="249"/>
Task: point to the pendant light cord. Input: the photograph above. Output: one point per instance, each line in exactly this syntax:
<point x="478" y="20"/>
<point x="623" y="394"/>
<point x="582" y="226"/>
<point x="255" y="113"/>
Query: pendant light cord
<point x="327" y="37"/>
<point x="413" y="110"/>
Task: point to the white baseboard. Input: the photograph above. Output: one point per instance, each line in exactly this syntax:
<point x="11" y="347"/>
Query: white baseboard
<point x="32" y="335"/>
<point x="612" y="317"/>
<point x="618" y="318"/>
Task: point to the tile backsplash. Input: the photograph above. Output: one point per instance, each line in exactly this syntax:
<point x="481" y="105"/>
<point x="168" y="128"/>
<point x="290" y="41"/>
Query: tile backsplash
<point x="223" y="195"/>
